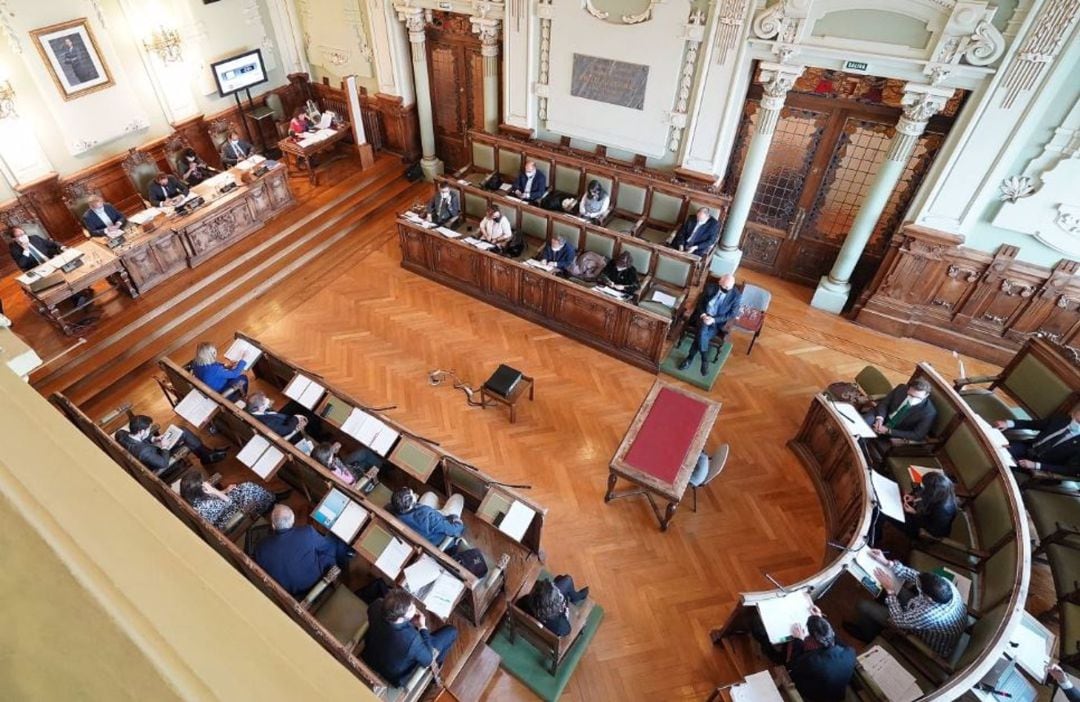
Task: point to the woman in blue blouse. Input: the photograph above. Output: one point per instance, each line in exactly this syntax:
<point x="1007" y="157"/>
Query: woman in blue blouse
<point x="217" y="376"/>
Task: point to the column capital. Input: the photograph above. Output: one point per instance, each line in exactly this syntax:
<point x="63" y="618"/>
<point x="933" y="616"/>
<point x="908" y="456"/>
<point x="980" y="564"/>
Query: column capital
<point x="777" y="79"/>
<point x="920" y="103"/>
<point x="415" y="19"/>
<point x="490" y="33"/>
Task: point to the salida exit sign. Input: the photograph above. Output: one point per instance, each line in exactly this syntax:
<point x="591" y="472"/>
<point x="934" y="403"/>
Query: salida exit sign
<point x="857" y="66"/>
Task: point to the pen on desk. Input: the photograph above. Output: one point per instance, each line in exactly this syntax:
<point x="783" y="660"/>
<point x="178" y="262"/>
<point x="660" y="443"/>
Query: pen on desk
<point x="992" y="691"/>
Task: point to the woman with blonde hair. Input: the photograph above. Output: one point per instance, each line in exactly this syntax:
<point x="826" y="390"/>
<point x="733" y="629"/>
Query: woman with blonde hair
<point x="219" y="377"/>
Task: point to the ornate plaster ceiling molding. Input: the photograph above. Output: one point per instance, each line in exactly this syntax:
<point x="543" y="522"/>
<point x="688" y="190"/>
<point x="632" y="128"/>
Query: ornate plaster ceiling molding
<point x="784" y="23"/>
<point x="630" y="18"/>
<point x="1043" y="43"/>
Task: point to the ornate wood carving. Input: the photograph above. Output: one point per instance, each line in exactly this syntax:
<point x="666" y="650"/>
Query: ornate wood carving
<point x="44" y="197"/>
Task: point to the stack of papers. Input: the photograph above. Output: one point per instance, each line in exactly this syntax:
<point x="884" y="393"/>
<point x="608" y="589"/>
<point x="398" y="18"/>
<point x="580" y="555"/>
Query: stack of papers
<point x="610" y="292"/>
<point x="325" y="120"/>
<point x="196" y="408"/>
<point x="304" y="390"/>
<point x="997" y="437"/>
<point x="780" y="613"/>
<point x="340" y="515"/>
<point x="243" y="350"/>
<point x="896" y="683"/>
<point x="432" y="585"/>
<point x="316" y="137"/>
<point x="854" y="420"/>
<point x="370" y="431"/>
<point x="145" y="216"/>
<point x="421" y="574"/>
<point x="261" y="456"/>
<point x="516" y="521"/>
<point x="663" y="298"/>
<point x="888" y="496"/>
<point x="393" y="557"/>
<point x="1033" y="645"/>
<point x="448" y="233"/>
<point x="505" y="187"/>
<point x="758" y="687"/>
<point x="473" y="241"/>
<point x="542" y="265"/>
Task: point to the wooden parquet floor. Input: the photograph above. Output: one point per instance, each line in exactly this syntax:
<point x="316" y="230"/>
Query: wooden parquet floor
<point x="355" y="316"/>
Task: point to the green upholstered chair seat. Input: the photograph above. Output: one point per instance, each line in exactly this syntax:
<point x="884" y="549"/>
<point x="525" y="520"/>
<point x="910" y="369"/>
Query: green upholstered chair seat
<point x="873" y="382"/>
<point x="1048" y="509"/>
<point x="657" y="308"/>
<point x="603" y="245"/>
<point x="1070" y="631"/>
<point x="968" y="457"/>
<point x="380" y="495"/>
<point x="1065" y="568"/>
<point x="622" y="224"/>
<point x="477" y="178"/>
<point x="974" y="645"/>
<point x="654" y="235"/>
<point x="990" y="406"/>
<point x="344" y="615"/>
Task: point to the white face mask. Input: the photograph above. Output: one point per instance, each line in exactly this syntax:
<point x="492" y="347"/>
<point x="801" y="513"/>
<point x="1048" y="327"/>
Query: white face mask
<point x="1074" y="427"/>
<point x="913" y="400"/>
<point x="23" y="239"/>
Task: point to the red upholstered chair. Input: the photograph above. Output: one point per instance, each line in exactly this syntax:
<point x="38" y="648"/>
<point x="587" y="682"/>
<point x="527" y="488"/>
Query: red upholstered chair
<point x="751" y="318"/>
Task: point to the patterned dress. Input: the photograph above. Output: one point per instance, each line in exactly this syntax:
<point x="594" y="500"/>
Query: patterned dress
<point x="244" y="497"/>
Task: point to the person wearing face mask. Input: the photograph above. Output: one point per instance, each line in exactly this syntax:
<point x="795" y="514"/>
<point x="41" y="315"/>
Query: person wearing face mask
<point x="444" y="208"/>
<point x="235" y="150"/>
<point x="621" y="274"/>
<point x="697" y="233"/>
<point x="28" y="251"/>
<point x="558" y="251"/>
<point x="717" y="306"/>
<point x="138" y="440"/>
<point x="905" y="413"/>
<point x="1056" y="448"/>
<point x="530" y="184"/>
<point x="194" y="168"/>
<point x="495" y="229"/>
<point x="166" y="190"/>
<point x="398" y="640"/>
<point x="594" y="204"/>
<point x="102" y="219"/>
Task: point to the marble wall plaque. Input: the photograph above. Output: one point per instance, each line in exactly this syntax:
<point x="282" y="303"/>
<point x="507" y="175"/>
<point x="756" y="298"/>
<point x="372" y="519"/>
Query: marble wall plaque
<point x="613" y="82"/>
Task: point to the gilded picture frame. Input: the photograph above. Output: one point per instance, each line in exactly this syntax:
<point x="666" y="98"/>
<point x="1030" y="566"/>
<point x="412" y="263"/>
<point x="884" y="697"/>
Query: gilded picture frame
<point x="71" y="54"/>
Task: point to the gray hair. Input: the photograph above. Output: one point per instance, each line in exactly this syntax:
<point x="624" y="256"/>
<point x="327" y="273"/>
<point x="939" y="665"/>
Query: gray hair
<point x="282" y="518"/>
<point x="257" y="401"/>
<point x="205" y="354"/>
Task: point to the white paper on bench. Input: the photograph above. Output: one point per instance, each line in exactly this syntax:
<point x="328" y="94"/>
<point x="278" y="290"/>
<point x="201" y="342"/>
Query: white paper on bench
<point x="854" y="421"/>
<point x="758" y="687"/>
<point x="384" y="439"/>
<point x="242" y="350"/>
<point x="252" y="451"/>
<point x="888" y="495"/>
<point x="473" y="241"/>
<point x="354" y="423"/>
<point x="517" y="520"/>
<point x="663" y="298"/>
<point x="780" y="613"/>
<point x="170" y="437"/>
<point x="443" y="594"/>
<point x="348" y="524"/>
<point x="448" y="233"/>
<point x="267" y="462"/>
<point x="196" y="408"/>
<point x="393" y="557"/>
<point x="304" y="390"/>
<point x="422" y="573"/>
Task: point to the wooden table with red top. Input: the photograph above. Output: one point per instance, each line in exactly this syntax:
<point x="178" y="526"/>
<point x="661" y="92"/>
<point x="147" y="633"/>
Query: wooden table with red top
<point x="661" y="447"/>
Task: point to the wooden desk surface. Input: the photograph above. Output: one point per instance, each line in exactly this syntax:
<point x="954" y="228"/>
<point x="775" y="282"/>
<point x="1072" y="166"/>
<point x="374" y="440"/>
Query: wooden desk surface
<point x="98" y="262"/>
<point x="666" y="474"/>
<point x="290" y="146"/>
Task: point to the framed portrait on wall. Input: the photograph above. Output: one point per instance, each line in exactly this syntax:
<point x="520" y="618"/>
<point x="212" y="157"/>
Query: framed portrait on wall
<point x="72" y="57"/>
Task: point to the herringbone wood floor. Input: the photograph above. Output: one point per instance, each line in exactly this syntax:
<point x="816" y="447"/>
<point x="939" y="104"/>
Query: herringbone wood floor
<point x="357" y="317"/>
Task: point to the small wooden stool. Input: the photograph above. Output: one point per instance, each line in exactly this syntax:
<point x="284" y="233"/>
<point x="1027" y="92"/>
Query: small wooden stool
<point x="510" y="400"/>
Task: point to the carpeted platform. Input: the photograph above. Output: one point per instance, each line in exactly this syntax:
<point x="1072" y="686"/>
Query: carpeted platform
<point x="693" y="375"/>
<point x="528" y="665"/>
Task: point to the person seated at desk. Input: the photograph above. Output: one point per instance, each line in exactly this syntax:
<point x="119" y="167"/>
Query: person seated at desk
<point x="905" y="414"/>
<point x="424" y="516"/>
<point x="444" y="208"/>
<point x="220" y="506"/>
<point x="931" y="506"/>
<point x="217" y="376"/>
<point x="495" y="229"/>
<point x="166" y="190"/>
<point x="140" y="441"/>
<point x="558" y="251"/>
<point x="1056" y="448"/>
<point x="697" y="233"/>
<point x="718" y="305"/>
<point x="594" y="203"/>
<point x="1072" y="693"/>
<point x="194" y="168"/>
<point x="296" y="557"/>
<point x="820" y="668"/>
<point x="550" y="600"/>
<point x="933" y="609"/>
<point x="235" y="150"/>
<point x="102" y="219"/>
<point x="29" y="252"/>
<point x="351" y="468"/>
<point x="398" y="640"/>
<point x="621" y="274"/>
<point x="288" y="426"/>
<point x="531" y="184"/>
<point x="300" y="123"/>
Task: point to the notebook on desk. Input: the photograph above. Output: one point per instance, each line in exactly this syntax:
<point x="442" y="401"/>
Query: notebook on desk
<point x="304" y="390"/>
<point x="385" y="551"/>
<point x="340" y="515"/>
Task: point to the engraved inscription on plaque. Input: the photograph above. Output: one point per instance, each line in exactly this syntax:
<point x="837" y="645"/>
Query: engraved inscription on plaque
<point x="614" y="82"/>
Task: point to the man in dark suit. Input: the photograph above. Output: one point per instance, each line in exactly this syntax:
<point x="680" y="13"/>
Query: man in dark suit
<point x="296" y="557"/>
<point x="1072" y="693"/>
<point x="31" y="251"/>
<point x="906" y="413"/>
<point x="820" y="667"/>
<point x="717" y="306"/>
<point x="1056" y="449"/>
<point x="558" y="251"/>
<point x="288" y="426"/>
<point x="235" y="150"/>
<point x="531" y="184"/>
<point x="444" y="209"/>
<point x="166" y="188"/>
<point x="102" y="219"/>
<point x="397" y="639"/>
<point x="138" y="440"/>
<point x="697" y="233"/>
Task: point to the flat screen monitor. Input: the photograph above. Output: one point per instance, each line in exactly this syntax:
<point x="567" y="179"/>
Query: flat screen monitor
<point x="239" y="72"/>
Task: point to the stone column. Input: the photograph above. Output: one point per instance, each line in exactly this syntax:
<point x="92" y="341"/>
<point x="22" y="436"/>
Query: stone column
<point x="777" y="80"/>
<point x="415" y="22"/>
<point x="920" y="103"/>
<point x="488" y="30"/>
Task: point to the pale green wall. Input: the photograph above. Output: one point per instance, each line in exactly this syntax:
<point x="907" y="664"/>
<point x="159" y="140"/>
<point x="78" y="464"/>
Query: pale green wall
<point x="874" y="25"/>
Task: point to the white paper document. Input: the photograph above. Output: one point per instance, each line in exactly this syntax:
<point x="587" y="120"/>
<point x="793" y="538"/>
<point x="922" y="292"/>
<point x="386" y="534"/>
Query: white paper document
<point x="268" y="462"/>
<point x="478" y="243"/>
<point x="758" y="687"/>
<point x="896" y="683"/>
<point x="196" y="408"/>
<point x="170" y="437"/>
<point x="610" y="292"/>
<point x="663" y="298"/>
<point x="354" y="423"/>
<point x="252" y="450"/>
<point x="448" y="233"/>
<point x="24" y="363"/>
<point x="325" y="120"/>
<point x="505" y="187"/>
<point x="864" y="567"/>
<point x="780" y="613"/>
<point x="443" y="594"/>
<point x="542" y="265"/>
<point x="412" y="216"/>
<point x="243" y="350"/>
<point x="393" y="557"/>
<point x="1032" y="647"/>
<point x="997" y="437"/>
<point x="516" y="521"/>
<point x="348" y="523"/>
<point x="853" y="420"/>
<point x="304" y="390"/>
<point x="888" y="496"/>
<point x="421" y="574"/>
<point x="384" y="440"/>
<point x="144" y="216"/>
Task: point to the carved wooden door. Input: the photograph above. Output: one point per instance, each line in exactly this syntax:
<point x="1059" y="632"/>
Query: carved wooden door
<point x="457" y="85"/>
<point x="824" y="155"/>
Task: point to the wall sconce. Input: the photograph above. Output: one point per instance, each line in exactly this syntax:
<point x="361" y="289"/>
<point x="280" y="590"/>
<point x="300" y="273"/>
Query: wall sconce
<point x="165" y="43"/>
<point x="7" y="100"/>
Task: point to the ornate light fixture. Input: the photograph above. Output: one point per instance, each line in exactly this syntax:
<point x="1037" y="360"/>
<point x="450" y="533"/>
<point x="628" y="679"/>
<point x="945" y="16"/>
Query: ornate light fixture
<point x="165" y="43"/>
<point x="7" y="100"/>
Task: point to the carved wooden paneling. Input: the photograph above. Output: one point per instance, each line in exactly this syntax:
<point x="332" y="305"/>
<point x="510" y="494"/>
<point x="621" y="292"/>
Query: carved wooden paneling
<point x="456" y="262"/>
<point x="644" y="335"/>
<point x="580" y="309"/>
<point x="984" y="305"/>
<point x="532" y="291"/>
<point x="761" y="247"/>
<point x="503" y="280"/>
<point x="412" y="246"/>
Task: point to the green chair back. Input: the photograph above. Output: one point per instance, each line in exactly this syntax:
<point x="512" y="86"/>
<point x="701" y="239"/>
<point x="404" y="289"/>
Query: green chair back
<point x="569" y="232"/>
<point x="475" y="206"/>
<point x="982" y="634"/>
<point x="640" y="255"/>
<point x="873" y="382"/>
<point x="511" y="213"/>
<point x="991" y="516"/>
<point x="998" y="576"/>
<point x="483" y="156"/>
<point x="534" y="225"/>
<point x="968" y="457"/>
<point x="509" y="163"/>
<point x="631" y="198"/>
<point x="945" y="413"/>
<point x="568" y="179"/>
<point x="674" y="271"/>
<point x="545" y="168"/>
<point x="665" y="208"/>
<point x="1036" y="386"/>
<point x="600" y="243"/>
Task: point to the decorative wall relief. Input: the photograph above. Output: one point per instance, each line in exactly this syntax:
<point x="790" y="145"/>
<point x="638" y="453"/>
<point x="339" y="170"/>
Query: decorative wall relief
<point x="730" y="20"/>
<point x="695" y="34"/>
<point x="1044" y="42"/>
<point x="605" y="80"/>
<point x="617" y="14"/>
